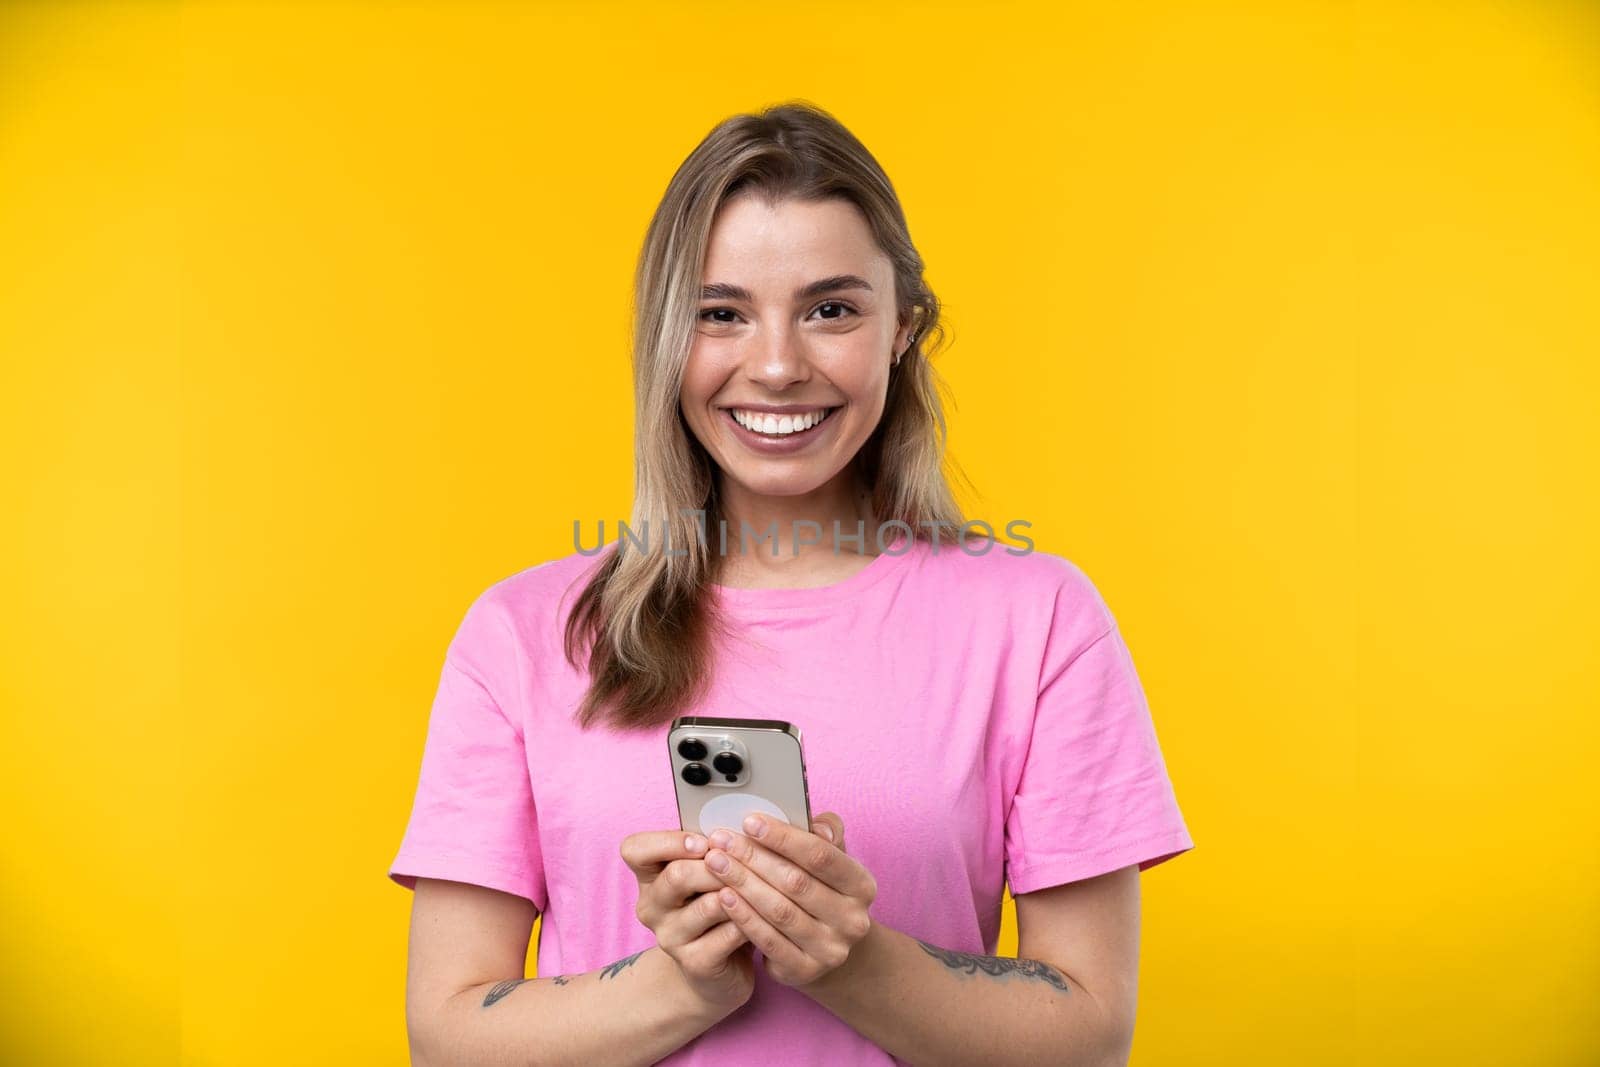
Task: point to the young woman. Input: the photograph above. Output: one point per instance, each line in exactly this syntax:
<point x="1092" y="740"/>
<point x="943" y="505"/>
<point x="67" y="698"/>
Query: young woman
<point x="971" y="714"/>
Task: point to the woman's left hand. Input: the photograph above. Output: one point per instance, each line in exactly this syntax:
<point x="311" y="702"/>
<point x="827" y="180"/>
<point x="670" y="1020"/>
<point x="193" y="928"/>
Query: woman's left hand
<point x="797" y="896"/>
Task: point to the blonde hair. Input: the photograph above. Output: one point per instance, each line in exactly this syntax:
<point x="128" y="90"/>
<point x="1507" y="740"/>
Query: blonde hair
<point x="645" y="617"/>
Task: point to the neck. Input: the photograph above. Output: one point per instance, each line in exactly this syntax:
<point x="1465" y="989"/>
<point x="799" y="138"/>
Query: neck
<point x="845" y="500"/>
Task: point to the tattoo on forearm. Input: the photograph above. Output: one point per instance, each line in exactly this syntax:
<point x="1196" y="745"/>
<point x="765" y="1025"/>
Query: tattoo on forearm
<point x="626" y="961"/>
<point x="502" y="988"/>
<point x="995" y="965"/>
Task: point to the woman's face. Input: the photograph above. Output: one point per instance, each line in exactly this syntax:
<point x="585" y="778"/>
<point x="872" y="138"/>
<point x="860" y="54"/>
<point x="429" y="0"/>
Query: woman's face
<point x="797" y="318"/>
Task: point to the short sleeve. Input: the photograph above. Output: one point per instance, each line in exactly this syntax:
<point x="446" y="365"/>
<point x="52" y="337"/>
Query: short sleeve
<point x="473" y="817"/>
<point x="1093" y="795"/>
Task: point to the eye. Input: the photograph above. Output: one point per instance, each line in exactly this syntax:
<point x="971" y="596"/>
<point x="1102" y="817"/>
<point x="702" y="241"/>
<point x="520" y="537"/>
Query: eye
<point x="836" y="304"/>
<point x="844" y="311"/>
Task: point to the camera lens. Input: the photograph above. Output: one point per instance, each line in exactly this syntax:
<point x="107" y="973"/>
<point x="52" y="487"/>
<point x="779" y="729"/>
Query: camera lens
<point x="728" y="763"/>
<point x="696" y="774"/>
<point x="691" y="749"/>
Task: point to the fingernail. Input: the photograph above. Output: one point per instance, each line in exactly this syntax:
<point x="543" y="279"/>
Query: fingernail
<point x="717" y="861"/>
<point x="721" y="838"/>
<point x="694" y="842"/>
<point x="825" y="831"/>
<point x="755" y="826"/>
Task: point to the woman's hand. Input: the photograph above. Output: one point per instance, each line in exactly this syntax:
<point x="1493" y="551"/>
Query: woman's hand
<point x="797" y="896"/>
<point x="678" y="902"/>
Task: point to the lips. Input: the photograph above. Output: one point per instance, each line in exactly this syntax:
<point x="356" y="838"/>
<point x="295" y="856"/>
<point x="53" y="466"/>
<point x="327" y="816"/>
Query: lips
<point x="781" y="444"/>
<point x="779" y="424"/>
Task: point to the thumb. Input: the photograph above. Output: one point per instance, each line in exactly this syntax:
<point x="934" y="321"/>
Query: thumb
<point x="830" y="827"/>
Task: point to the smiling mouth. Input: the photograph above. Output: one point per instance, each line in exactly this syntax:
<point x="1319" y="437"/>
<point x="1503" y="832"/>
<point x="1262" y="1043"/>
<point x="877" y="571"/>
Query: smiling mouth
<point x="780" y="427"/>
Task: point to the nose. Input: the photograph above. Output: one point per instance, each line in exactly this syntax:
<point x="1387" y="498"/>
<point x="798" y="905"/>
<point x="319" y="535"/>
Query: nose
<point x="777" y="359"/>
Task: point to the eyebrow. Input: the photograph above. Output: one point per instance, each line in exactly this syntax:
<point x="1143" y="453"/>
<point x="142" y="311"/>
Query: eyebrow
<point x="725" y="291"/>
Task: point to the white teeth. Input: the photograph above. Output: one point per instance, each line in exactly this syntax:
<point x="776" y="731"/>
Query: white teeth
<point x="779" y="425"/>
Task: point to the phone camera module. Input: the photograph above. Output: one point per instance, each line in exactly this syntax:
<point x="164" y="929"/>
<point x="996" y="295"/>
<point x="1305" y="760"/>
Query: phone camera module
<point x="696" y="774"/>
<point x="728" y="763"/>
<point x="692" y="749"/>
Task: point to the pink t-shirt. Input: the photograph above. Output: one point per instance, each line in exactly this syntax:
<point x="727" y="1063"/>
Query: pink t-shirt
<point x="974" y="719"/>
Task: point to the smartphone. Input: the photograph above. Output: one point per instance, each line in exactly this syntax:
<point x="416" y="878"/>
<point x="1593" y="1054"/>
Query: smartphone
<point x="725" y="769"/>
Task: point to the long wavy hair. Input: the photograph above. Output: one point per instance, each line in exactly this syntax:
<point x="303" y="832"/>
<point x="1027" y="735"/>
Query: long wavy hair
<point x="645" y="619"/>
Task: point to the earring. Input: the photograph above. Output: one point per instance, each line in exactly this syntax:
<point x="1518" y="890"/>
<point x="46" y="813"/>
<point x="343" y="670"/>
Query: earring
<point x="903" y="351"/>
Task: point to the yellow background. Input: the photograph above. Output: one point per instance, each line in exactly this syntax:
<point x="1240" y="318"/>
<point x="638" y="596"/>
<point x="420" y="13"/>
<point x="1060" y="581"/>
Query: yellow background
<point x="1280" y="319"/>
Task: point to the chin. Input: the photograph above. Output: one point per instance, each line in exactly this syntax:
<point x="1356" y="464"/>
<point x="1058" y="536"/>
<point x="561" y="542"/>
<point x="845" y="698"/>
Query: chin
<point x="791" y="485"/>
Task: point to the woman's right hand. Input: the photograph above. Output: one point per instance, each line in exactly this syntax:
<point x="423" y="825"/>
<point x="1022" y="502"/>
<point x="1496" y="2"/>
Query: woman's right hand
<point x="678" y="901"/>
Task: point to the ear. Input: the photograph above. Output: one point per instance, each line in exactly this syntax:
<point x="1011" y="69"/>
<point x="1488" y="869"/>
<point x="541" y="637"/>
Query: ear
<point x="908" y="331"/>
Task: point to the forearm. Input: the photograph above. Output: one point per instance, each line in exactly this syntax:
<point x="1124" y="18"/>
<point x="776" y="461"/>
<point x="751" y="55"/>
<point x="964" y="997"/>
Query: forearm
<point x="632" y="1012"/>
<point x="932" y="1007"/>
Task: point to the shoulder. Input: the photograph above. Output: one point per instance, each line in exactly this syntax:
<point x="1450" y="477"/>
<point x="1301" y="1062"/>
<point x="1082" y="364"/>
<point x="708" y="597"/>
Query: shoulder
<point x="543" y="586"/>
<point x="996" y="568"/>
<point x="530" y="607"/>
<point x="1035" y="588"/>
